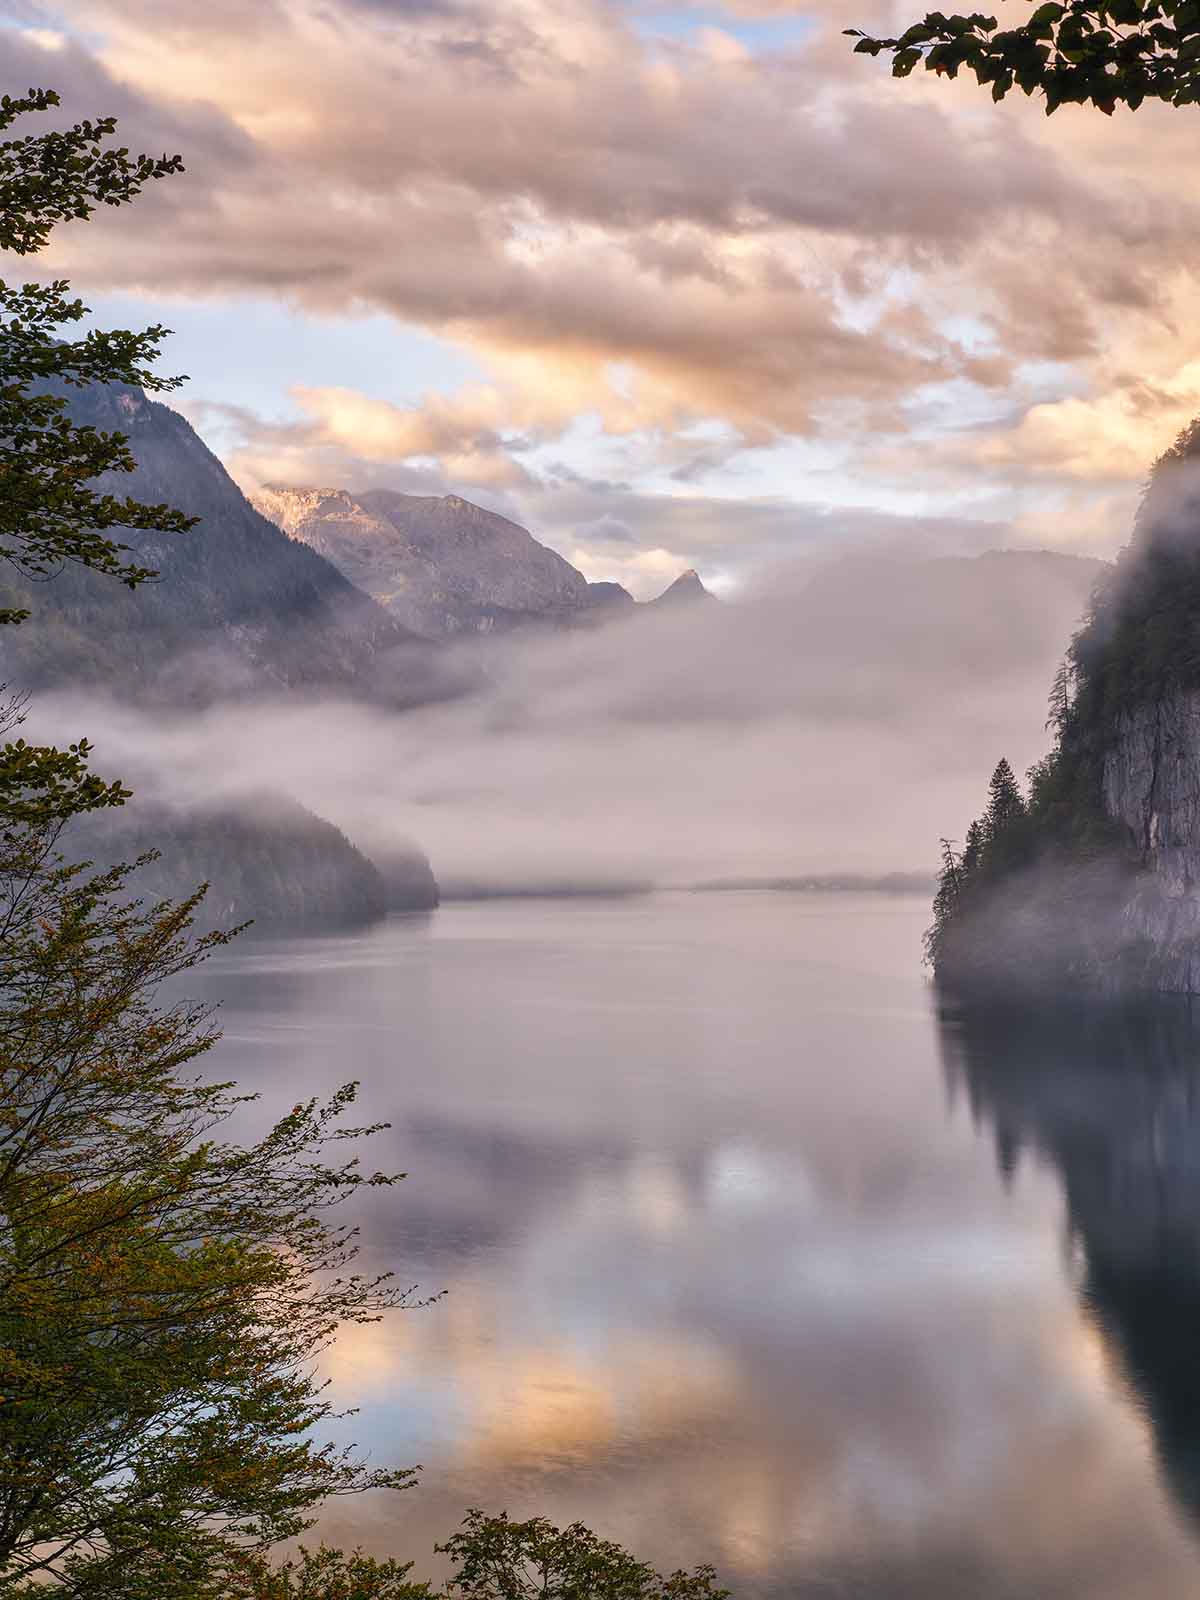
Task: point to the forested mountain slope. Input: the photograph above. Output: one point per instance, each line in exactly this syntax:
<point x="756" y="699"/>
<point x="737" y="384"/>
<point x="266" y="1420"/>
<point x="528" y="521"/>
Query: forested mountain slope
<point x="264" y="856"/>
<point x="1094" y="874"/>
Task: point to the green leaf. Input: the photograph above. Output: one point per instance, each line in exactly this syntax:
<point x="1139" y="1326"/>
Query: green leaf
<point x="1046" y="15"/>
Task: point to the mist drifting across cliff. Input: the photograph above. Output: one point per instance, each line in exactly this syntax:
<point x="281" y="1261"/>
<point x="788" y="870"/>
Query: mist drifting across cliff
<point x="818" y="724"/>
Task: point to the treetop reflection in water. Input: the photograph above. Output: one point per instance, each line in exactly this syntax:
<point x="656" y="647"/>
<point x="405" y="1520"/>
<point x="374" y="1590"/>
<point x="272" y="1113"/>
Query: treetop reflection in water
<point x="1111" y="1096"/>
<point x="728" y="1278"/>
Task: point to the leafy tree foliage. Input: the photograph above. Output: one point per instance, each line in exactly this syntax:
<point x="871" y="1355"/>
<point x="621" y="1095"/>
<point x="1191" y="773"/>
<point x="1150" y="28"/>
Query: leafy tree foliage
<point x="497" y="1559"/>
<point x="48" y="514"/>
<point x="163" y="1294"/>
<point x="324" y="1574"/>
<point x="494" y="1559"/>
<point x="1098" y="52"/>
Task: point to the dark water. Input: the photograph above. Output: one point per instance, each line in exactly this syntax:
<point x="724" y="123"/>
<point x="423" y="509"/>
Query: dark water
<point x="750" y="1258"/>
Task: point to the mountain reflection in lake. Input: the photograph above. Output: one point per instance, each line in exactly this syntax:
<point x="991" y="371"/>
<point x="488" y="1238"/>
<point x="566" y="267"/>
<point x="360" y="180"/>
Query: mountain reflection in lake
<point x="750" y="1258"/>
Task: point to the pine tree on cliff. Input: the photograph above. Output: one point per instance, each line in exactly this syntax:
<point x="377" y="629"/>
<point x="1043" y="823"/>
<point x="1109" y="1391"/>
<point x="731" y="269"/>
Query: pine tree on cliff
<point x="1005" y="802"/>
<point x="973" y="849"/>
<point x="945" y="903"/>
<point x="1058" y="711"/>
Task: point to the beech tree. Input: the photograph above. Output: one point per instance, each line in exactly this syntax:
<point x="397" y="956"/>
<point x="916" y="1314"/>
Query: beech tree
<point x="48" y="513"/>
<point x="498" y="1559"/>
<point x="164" y="1295"/>
<point x="324" y="1574"/>
<point x="494" y="1558"/>
<point x="1099" y="52"/>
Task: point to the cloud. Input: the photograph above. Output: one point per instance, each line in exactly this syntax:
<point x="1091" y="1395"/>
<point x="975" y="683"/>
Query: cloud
<point x="535" y="179"/>
<point x="607" y="530"/>
<point x="650" y="232"/>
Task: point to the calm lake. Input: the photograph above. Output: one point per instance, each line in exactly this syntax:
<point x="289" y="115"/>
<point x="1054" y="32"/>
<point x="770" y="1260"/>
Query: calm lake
<point x="749" y="1258"/>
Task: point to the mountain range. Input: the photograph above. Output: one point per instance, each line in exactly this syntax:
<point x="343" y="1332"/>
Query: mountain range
<point x="444" y="567"/>
<point x="441" y="566"/>
<point x="239" y="609"/>
<point x="316" y="594"/>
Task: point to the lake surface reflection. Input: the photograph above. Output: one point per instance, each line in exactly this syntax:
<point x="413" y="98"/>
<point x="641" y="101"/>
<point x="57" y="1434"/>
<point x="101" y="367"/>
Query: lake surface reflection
<point x="750" y="1257"/>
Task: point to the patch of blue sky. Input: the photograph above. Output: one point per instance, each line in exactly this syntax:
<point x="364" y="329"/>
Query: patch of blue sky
<point x="1051" y="380"/>
<point x="705" y="460"/>
<point x="973" y="333"/>
<point x="759" y="34"/>
<point x="251" y="352"/>
<point x="45" y="24"/>
<point x="860" y="312"/>
<point x="956" y="406"/>
<point x="584" y="450"/>
<point x="804" y="471"/>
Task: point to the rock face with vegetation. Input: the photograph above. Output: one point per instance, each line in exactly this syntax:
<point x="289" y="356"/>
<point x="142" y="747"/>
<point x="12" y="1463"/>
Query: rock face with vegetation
<point x="439" y="564"/>
<point x="1152" y="788"/>
<point x="1094" y="878"/>
<point x="238" y="609"/>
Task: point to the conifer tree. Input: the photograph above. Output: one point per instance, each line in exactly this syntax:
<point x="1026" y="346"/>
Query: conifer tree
<point x="1005" y="801"/>
<point x="945" y="904"/>
<point x="1061" y="695"/>
<point x="973" y="851"/>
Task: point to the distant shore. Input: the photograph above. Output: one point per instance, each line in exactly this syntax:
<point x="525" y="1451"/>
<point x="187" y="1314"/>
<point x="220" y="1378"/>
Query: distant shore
<point x="812" y="883"/>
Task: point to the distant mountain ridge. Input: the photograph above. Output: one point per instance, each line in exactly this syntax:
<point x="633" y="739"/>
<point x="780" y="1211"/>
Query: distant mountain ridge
<point x="444" y="566"/>
<point x="686" y="590"/>
<point x="264" y="856"/>
<point x="239" y="610"/>
<point x="441" y="565"/>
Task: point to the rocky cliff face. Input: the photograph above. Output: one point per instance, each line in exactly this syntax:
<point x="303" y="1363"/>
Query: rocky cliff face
<point x="441" y="565"/>
<point x="1152" y="787"/>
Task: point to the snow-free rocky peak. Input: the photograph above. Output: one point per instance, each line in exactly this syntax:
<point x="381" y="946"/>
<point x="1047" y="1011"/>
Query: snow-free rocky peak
<point x="440" y="564"/>
<point x="686" y="589"/>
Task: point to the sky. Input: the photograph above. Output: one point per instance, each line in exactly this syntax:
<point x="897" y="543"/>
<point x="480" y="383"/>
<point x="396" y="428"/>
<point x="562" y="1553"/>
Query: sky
<point x="673" y="285"/>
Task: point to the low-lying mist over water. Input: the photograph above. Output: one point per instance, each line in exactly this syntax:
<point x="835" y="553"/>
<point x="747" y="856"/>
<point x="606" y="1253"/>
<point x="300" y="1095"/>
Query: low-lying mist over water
<point x="813" y="725"/>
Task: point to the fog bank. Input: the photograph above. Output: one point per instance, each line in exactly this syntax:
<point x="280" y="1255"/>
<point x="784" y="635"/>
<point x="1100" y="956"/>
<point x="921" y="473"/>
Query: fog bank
<point x="835" y="726"/>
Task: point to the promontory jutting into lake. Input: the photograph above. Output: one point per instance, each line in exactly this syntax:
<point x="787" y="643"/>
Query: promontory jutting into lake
<point x="600" y="810"/>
